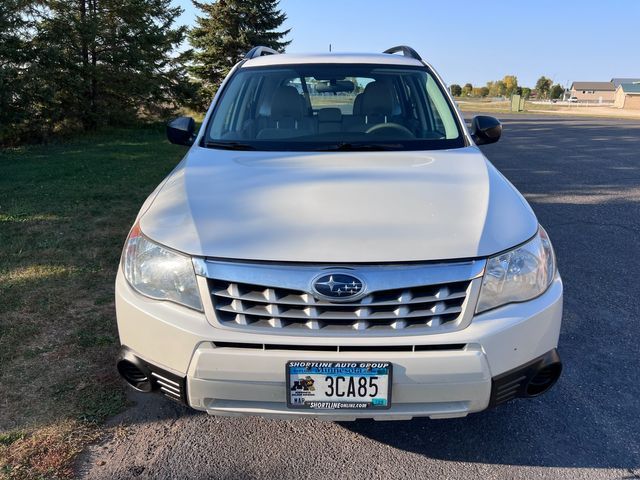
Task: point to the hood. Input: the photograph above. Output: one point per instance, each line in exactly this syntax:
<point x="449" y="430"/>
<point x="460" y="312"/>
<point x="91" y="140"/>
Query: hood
<point x="338" y="207"/>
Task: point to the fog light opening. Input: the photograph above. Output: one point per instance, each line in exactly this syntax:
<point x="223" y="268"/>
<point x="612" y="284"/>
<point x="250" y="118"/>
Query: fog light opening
<point x="543" y="380"/>
<point x="135" y="376"/>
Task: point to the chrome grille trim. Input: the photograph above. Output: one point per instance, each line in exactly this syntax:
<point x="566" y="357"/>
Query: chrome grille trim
<point x="401" y="314"/>
<point x="308" y="299"/>
<point x="403" y="299"/>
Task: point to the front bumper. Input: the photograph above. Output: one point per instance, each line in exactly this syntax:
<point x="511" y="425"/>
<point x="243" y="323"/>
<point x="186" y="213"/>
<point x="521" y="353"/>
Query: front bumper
<point x="444" y="375"/>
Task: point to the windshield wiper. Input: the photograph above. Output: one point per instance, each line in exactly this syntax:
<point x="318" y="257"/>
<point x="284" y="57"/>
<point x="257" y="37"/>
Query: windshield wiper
<point x="354" y="147"/>
<point x="229" y="145"/>
<point x="338" y="147"/>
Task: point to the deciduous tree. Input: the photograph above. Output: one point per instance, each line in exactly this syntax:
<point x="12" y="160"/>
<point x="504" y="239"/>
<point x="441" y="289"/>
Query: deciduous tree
<point x="510" y="85"/>
<point x="456" y="90"/>
<point x="543" y="85"/>
<point x="556" y="92"/>
<point x="496" y="89"/>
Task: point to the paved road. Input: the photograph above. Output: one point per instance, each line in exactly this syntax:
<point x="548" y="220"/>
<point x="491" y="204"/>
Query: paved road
<point x="582" y="177"/>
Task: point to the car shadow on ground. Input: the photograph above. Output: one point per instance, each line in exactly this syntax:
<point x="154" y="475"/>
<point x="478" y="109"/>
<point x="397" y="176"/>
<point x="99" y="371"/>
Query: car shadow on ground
<point x="585" y="190"/>
<point x="549" y="432"/>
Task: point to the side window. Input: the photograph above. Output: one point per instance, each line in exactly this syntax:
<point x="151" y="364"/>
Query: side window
<point x="409" y="110"/>
<point x="435" y="116"/>
<point x="236" y="105"/>
<point x="244" y="110"/>
<point x="442" y="113"/>
<point x="232" y="113"/>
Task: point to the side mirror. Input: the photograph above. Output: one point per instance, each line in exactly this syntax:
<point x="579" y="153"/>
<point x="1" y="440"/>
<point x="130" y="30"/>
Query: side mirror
<point x="181" y="131"/>
<point x="485" y="130"/>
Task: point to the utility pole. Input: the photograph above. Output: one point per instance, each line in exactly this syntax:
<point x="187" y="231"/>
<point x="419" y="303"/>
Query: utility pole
<point x="329" y="48"/>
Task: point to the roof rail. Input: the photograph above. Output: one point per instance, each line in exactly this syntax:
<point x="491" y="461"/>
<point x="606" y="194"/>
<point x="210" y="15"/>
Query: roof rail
<point x="256" y="52"/>
<point x="406" y="51"/>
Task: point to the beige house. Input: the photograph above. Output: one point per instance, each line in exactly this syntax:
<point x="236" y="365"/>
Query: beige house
<point x="628" y="96"/>
<point x="595" y="92"/>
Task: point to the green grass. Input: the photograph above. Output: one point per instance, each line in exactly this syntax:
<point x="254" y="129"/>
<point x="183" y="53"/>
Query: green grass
<point x="9" y="438"/>
<point x="483" y="105"/>
<point x="65" y="211"/>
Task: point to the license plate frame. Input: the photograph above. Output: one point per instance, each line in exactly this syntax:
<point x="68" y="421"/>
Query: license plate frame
<point x="338" y="369"/>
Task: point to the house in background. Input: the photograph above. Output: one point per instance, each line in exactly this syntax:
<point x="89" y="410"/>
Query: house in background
<point x="628" y="96"/>
<point x="619" y="81"/>
<point x="595" y="92"/>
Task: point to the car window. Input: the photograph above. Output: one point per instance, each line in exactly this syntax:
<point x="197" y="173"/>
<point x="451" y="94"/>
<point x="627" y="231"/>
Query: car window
<point x="326" y="107"/>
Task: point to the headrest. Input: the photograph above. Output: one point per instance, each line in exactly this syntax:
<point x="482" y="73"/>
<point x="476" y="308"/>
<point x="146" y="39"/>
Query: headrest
<point x="329" y="115"/>
<point x="377" y="99"/>
<point x="287" y="102"/>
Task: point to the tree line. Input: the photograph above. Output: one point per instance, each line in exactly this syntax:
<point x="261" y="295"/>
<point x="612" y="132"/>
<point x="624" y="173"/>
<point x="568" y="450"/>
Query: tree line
<point x="544" y="89"/>
<point x="70" y="66"/>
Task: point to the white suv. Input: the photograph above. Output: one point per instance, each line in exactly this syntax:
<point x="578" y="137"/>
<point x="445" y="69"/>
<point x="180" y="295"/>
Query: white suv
<point x="335" y="244"/>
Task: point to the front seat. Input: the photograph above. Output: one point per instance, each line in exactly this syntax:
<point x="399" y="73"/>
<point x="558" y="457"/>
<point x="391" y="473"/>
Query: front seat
<point x="371" y="107"/>
<point x="287" y="116"/>
<point x="377" y="103"/>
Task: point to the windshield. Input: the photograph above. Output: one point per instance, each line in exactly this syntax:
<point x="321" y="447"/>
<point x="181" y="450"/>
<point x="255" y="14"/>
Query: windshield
<point x="333" y="107"/>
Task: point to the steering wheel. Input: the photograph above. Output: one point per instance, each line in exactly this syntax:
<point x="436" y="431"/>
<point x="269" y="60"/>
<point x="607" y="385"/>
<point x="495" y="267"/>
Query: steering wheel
<point x="395" y="127"/>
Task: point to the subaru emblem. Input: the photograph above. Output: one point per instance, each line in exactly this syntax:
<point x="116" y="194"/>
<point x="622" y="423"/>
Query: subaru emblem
<point x="338" y="286"/>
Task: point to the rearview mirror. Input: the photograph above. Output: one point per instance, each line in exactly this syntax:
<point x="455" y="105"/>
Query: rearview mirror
<point x="335" y="86"/>
<point x="485" y="129"/>
<point x="181" y="131"/>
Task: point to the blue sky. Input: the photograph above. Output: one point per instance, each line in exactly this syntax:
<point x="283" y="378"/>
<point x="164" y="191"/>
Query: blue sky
<point x="475" y="41"/>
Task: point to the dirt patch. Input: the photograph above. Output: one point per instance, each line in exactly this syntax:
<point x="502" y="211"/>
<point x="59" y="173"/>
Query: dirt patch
<point x="46" y="452"/>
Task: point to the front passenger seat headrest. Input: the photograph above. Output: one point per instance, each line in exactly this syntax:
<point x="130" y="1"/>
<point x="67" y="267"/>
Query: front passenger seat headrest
<point x="287" y="102"/>
<point x="377" y="99"/>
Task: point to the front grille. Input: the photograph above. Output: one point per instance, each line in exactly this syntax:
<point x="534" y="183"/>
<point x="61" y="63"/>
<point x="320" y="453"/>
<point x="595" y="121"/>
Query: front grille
<point x="267" y="307"/>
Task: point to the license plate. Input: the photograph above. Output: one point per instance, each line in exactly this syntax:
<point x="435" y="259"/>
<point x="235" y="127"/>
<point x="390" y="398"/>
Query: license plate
<point x="338" y="385"/>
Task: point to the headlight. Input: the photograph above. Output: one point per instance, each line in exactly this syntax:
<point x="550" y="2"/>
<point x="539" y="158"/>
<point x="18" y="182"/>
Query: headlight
<point x="518" y="275"/>
<point x="158" y="272"/>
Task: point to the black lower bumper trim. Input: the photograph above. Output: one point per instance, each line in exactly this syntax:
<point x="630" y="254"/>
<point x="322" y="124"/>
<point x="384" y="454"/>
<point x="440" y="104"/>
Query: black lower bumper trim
<point x="157" y="379"/>
<point x="529" y="380"/>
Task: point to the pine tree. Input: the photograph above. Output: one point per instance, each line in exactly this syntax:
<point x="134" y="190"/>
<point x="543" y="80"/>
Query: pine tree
<point x="15" y="76"/>
<point x="109" y="61"/>
<point x="227" y="30"/>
